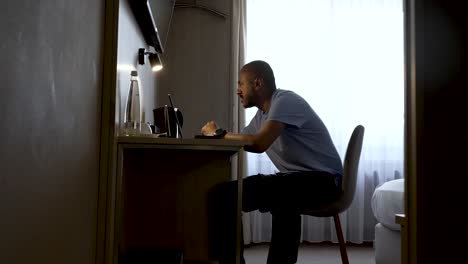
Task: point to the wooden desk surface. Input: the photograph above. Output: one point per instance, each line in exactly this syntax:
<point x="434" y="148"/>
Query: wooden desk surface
<point x="180" y="143"/>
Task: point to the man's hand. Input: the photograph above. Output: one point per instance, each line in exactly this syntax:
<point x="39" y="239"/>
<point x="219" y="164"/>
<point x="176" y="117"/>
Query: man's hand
<point x="209" y="128"/>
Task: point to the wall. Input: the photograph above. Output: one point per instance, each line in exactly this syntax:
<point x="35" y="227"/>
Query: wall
<point x="130" y="39"/>
<point x="50" y="54"/>
<point x="197" y="66"/>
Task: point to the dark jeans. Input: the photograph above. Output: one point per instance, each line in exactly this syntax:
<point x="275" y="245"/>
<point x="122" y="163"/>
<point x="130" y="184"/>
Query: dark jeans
<point x="284" y="195"/>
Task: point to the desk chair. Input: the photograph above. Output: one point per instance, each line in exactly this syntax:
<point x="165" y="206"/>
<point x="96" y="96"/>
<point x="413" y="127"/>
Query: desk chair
<point x="348" y="186"/>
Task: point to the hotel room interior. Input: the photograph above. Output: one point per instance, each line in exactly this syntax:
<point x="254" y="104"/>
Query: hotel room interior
<point x="65" y="74"/>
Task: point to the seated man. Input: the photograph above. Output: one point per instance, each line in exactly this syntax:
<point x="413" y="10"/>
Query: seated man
<point x="298" y="144"/>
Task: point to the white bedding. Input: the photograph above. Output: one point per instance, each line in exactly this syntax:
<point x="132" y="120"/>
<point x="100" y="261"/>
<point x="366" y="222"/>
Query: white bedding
<point x="387" y="201"/>
<point x="387" y="245"/>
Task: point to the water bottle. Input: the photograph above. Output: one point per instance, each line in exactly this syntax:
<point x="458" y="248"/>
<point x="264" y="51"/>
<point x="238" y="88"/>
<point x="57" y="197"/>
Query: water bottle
<point x="132" y="121"/>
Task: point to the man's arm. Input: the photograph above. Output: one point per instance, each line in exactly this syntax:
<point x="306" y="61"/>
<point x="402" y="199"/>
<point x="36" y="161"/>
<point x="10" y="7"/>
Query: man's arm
<point x="262" y="140"/>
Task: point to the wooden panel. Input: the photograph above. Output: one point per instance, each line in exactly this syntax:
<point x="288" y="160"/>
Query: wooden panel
<point x="165" y="195"/>
<point x="436" y="97"/>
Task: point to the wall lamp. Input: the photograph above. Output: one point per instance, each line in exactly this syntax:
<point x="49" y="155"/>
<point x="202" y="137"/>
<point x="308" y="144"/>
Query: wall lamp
<point x="153" y="57"/>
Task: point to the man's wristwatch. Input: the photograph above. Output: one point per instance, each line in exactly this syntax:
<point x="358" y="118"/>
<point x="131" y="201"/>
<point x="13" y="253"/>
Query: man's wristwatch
<point x="219" y="133"/>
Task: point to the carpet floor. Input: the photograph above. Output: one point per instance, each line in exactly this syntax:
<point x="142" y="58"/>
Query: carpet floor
<point x="315" y="253"/>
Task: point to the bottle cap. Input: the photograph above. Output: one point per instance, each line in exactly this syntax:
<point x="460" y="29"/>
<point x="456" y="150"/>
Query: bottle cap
<point x="134" y="73"/>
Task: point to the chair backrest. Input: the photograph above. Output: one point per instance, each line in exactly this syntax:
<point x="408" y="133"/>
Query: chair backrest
<point x="348" y="184"/>
<point x="350" y="168"/>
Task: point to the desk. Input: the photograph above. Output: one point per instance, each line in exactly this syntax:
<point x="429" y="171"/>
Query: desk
<point x="162" y="192"/>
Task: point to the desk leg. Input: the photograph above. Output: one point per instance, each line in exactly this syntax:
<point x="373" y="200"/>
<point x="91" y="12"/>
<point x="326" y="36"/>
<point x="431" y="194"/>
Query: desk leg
<point x="239" y="239"/>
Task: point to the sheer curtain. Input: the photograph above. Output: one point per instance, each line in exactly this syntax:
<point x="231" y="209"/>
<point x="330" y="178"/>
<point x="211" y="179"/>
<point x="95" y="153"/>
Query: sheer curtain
<point x="345" y="57"/>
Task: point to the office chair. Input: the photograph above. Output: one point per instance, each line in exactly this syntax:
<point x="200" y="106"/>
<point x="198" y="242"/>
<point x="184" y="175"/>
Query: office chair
<point x="348" y="186"/>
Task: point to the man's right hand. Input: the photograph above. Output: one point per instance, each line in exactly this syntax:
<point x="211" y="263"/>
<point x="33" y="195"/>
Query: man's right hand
<point x="209" y="128"/>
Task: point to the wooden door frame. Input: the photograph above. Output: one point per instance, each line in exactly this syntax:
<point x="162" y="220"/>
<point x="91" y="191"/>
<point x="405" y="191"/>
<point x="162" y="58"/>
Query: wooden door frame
<point x="104" y="241"/>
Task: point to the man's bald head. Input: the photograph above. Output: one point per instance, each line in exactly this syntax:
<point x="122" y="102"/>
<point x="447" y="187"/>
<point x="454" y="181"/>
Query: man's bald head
<point x="261" y="70"/>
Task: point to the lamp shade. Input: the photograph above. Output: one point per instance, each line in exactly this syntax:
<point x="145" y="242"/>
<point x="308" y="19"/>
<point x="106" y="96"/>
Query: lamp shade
<point x="155" y="61"/>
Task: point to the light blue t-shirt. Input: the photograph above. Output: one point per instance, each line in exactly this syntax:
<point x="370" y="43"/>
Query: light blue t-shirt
<point x="305" y="143"/>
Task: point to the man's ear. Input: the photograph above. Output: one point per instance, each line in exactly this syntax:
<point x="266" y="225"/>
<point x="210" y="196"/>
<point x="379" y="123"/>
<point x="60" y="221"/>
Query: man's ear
<point x="259" y="82"/>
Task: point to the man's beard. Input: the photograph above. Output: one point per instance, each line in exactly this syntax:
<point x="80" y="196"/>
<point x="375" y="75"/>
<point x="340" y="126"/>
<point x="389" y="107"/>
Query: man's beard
<point x="247" y="104"/>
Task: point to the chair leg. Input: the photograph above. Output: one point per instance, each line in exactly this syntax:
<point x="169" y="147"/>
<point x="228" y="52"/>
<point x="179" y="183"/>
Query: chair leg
<point x="339" y="233"/>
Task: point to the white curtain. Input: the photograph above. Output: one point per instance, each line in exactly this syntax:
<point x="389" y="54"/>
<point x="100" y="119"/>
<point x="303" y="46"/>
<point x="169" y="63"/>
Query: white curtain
<point x="346" y="58"/>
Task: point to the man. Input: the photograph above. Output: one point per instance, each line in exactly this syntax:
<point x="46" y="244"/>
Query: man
<point x="298" y="144"/>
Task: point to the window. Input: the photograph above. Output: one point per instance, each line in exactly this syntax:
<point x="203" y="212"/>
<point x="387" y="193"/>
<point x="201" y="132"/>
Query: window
<point x="346" y="57"/>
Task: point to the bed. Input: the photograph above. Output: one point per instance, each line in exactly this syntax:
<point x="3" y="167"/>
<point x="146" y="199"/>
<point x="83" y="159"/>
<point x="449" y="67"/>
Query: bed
<point x="387" y="201"/>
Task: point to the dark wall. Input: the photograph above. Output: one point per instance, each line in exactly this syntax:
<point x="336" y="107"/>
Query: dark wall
<point x="440" y="97"/>
<point x="50" y="65"/>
